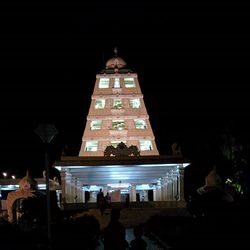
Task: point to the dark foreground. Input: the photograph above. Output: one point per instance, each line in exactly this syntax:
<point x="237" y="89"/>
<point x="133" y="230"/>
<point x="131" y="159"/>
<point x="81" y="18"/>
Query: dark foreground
<point x="228" y="229"/>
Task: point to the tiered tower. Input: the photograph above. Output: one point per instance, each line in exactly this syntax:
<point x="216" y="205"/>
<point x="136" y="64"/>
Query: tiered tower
<point x="117" y="113"/>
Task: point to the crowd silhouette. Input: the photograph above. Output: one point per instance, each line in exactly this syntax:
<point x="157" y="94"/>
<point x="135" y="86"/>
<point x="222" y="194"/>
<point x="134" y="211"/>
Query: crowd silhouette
<point x="114" y="234"/>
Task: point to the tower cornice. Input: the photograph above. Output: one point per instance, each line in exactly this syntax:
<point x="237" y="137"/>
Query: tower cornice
<point x="115" y="75"/>
<point x="112" y="117"/>
<point x="113" y="96"/>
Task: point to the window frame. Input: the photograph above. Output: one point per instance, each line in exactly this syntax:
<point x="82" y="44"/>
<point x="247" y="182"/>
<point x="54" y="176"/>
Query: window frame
<point x="142" y="126"/>
<point x="104" y="86"/>
<point x="116" y="143"/>
<point x="147" y="147"/>
<point x="87" y="147"/>
<point x="132" y="105"/>
<point x="118" y="127"/>
<point x="93" y="126"/>
<point x="102" y="100"/>
<point x="115" y="105"/>
<point x="127" y="84"/>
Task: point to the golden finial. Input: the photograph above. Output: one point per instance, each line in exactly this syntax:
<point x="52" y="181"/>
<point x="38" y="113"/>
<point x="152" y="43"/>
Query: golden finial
<point x="115" y="51"/>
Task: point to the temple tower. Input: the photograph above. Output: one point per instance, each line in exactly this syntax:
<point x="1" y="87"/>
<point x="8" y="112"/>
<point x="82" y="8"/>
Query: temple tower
<point x="117" y="113"/>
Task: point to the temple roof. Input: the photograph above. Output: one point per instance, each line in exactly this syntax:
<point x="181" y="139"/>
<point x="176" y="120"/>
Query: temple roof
<point x="132" y="169"/>
<point x="116" y="65"/>
<point x="115" y="62"/>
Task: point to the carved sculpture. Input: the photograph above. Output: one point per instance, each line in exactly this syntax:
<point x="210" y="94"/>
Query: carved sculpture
<point x="25" y="197"/>
<point x="121" y="150"/>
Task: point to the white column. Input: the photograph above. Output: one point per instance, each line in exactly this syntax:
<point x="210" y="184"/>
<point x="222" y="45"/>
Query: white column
<point x="165" y="188"/>
<point x="68" y="189"/>
<point x="154" y="194"/>
<point x="175" y="188"/>
<point x="159" y="194"/>
<point x="133" y="193"/>
<point x="73" y="191"/>
<point x="162" y="189"/>
<point x="145" y="195"/>
<point x="170" y="188"/>
<point x="83" y="196"/>
<point x="181" y="183"/>
<point x="158" y="191"/>
<point x="79" y="191"/>
<point x="105" y="190"/>
<point x="63" y="186"/>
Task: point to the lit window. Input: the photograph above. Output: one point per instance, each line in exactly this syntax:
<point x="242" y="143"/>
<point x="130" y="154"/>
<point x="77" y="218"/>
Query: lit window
<point x="118" y="124"/>
<point x="145" y="145"/>
<point x="100" y="104"/>
<point x="91" y="146"/>
<point x="104" y="83"/>
<point x="140" y="124"/>
<point x="129" y="82"/>
<point x="135" y="103"/>
<point x="115" y="143"/>
<point x="97" y="124"/>
<point x="117" y="104"/>
<point x="117" y="83"/>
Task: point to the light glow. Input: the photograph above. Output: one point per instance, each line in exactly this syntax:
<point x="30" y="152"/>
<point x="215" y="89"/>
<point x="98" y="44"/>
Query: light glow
<point x="119" y="185"/>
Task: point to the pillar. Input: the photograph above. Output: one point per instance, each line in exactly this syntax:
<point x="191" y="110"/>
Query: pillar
<point x="133" y="193"/>
<point x="158" y="191"/>
<point x="105" y="190"/>
<point x="69" y="188"/>
<point x="170" y="188"/>
<point x="154" y="194"/>
<point x="63" y="186"/>
<point x="79" y="191"/>
<point x="175" y="188"/>
<point x="181" y="183"/>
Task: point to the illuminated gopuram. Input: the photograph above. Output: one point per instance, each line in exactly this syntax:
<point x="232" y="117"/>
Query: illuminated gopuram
<point x="117" y="113"/>
<point x="118" y="151"/>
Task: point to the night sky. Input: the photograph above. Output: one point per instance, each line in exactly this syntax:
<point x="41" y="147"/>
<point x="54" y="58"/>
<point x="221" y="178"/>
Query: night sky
<point x="192" y="61"/>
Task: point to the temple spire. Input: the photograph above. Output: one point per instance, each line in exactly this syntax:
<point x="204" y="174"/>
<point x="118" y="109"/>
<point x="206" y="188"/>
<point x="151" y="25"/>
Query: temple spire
<point x="117" y="114"/>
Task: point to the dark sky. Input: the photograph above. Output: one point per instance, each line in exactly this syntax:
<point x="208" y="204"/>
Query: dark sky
<point x="192" y="61"/>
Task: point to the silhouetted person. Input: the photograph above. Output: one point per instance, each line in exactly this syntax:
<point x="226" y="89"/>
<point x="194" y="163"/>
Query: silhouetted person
<point x="138" y="243"/>
<point x="99" y="198"/>
<point x="115" y="233"/>
<point x="103" y="204"/>
<point x="108" y="200"/>
<point x="127" y="201"/>
<point x="100" y="201"/>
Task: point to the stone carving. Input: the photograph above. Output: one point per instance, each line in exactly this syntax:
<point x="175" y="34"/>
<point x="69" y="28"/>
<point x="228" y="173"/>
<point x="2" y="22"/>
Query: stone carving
<point x="26" y="194"/>
<point x="122" y="150"/>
